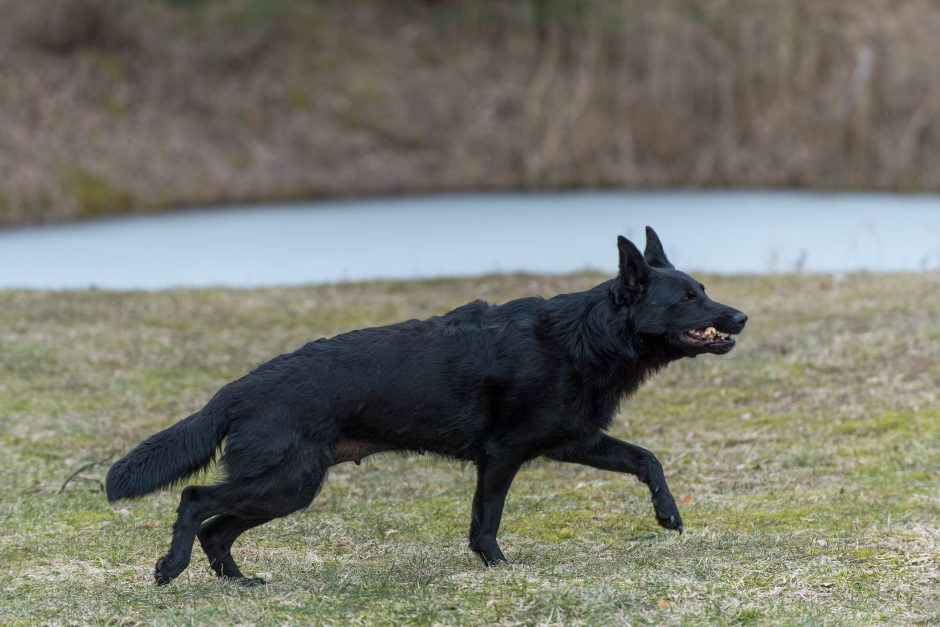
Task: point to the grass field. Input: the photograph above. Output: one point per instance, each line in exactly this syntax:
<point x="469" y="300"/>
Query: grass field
<point x="806" y="465"/>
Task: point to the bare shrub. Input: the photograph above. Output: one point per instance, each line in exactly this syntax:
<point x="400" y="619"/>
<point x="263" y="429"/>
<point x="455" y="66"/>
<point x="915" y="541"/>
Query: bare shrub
<point x="63" y="26"/>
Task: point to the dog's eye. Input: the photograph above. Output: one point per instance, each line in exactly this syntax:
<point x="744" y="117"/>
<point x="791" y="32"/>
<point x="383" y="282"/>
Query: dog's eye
<point x="689" y="297"/>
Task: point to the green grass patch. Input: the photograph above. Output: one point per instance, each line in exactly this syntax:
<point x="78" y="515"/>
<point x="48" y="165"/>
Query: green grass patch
<point x="806" y="465"/>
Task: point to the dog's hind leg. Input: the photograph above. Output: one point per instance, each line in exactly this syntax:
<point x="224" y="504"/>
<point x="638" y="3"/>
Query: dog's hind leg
<point x="607" y="453"/>
<point x="281" y="489"/>
<point x="216" y="537"/>
<point x="196" y="504"/>
<point x="494" y="476"/>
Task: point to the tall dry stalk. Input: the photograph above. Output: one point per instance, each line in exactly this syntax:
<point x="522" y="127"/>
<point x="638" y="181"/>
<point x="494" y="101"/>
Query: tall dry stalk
<point x="239" y="100"/>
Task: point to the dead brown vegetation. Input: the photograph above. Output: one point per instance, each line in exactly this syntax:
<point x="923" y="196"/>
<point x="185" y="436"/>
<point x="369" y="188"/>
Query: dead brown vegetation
<point x="113" y="107"/>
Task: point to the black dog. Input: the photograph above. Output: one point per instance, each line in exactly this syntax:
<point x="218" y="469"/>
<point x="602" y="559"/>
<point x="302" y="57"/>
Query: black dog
<point x="495" y="385"/>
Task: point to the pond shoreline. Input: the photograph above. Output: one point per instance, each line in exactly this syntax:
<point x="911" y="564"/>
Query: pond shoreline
<point x="723" y="232"/>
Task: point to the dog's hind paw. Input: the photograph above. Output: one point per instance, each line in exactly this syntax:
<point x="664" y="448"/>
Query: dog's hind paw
<point x="164" y="573"/>
<point x="159" y="573"/>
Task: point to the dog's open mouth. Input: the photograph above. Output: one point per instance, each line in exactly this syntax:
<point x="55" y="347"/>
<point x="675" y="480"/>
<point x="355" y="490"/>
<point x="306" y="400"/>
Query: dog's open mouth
<point x="710" y="337"/>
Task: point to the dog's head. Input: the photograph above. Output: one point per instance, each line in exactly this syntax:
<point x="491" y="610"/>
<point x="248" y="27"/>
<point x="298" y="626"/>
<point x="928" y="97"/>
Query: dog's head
<point x="668" y="310"/>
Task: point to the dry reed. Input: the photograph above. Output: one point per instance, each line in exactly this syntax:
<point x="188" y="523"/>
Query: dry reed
<point x="145" y="105"/>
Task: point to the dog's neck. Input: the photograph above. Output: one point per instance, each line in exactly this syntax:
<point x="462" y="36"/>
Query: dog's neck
<point x="599" y="342"/>
<point x="582" y="324"/>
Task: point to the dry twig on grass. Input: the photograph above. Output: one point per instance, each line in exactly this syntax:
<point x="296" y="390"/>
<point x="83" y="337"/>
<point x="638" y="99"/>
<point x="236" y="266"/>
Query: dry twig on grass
<point x="81" y="469"/>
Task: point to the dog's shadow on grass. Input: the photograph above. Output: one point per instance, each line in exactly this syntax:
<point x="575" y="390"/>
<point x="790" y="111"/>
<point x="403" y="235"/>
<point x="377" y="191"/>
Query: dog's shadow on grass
<point x="648" y="537"/>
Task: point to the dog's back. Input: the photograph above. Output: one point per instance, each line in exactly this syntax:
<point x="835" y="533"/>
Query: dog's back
<point x="439" y="385"/>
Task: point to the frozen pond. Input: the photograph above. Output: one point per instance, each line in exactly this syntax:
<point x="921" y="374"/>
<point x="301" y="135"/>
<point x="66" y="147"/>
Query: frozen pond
<point x="453" y="235"/>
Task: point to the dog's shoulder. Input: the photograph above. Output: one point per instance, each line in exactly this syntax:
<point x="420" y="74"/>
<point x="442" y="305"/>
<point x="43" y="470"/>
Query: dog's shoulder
<point x="469" y="314"/>
<point x="482" y="314"/>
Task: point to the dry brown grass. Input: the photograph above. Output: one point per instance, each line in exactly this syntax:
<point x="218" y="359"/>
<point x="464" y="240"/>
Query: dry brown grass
<point x="121" y="106"/>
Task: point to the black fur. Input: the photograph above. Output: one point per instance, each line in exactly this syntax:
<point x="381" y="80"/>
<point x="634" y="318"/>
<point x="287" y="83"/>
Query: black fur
<point x="495" y="385"/>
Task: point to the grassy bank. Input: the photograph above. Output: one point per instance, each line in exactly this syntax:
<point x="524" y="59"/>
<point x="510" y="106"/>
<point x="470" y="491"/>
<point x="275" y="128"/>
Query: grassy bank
<point x="115" y="106"/>
<point x="806" y="464"/>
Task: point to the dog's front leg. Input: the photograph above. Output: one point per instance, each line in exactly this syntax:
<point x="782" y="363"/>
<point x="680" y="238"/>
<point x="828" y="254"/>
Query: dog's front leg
<point x="494" y="476"/>
<point x="607" y="453"/>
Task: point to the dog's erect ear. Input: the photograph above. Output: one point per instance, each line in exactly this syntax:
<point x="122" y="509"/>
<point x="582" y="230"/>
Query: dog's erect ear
<point x="655" y="255"/>
<point x="634" y="272"/>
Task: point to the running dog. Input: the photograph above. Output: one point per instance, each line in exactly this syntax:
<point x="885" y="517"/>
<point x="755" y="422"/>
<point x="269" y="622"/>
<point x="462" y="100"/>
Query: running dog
<point x="496" y="385"/>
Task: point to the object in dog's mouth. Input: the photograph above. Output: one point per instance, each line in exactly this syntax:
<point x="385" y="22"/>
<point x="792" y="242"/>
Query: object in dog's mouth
<point x="705" y="336"/>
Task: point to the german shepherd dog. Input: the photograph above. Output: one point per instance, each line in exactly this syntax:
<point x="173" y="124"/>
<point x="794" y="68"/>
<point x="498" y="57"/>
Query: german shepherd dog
<point x="494" y="385"/>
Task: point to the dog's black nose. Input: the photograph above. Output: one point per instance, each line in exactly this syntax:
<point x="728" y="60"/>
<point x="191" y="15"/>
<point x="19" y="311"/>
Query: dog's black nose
<point x="739" y="317"/>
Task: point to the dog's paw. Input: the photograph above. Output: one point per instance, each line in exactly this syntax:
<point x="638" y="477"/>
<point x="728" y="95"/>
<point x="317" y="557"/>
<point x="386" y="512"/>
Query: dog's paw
<point x="165" y="572"/>
<point x="160" y="573"/>
<point x="667" y="513"/>
<point x="251" y="582"/>
<point x="673" y="521"/>
<point x="496" y="560"/>
<point x="490" y="553"/>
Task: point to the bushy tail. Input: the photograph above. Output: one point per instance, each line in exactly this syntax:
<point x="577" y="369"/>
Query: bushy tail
<point x="169" y="456"/>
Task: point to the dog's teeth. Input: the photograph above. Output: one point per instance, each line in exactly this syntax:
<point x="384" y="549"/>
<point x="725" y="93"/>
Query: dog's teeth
<point x="711" y="332"/>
